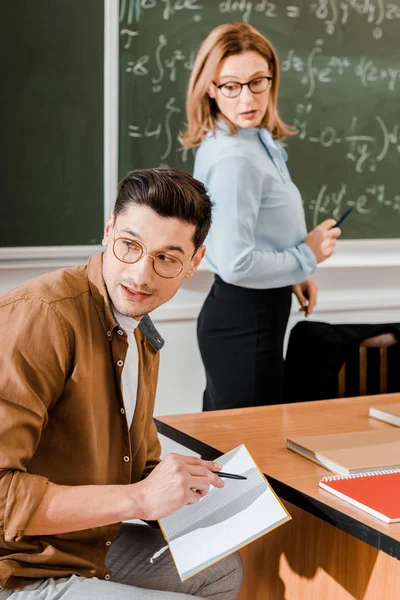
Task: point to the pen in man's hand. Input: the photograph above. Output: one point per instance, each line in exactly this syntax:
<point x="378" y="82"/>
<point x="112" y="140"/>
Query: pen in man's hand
<point x="229" y="475"/>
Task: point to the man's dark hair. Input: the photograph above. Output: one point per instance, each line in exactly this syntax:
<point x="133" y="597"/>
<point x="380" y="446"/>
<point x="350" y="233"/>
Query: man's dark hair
<point x="169" y="192"/>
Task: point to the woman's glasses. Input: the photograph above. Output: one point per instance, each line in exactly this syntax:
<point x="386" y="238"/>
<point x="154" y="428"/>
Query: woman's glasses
<point x="233" y="89"/>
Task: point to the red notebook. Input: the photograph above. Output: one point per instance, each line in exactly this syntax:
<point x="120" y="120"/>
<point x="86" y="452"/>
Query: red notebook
<point x="378" y="493"/>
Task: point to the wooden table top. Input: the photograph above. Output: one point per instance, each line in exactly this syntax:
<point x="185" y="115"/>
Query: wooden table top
<point x="294" y="478"/>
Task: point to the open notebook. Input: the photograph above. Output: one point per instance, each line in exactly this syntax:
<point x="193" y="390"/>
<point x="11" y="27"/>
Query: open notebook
<point x="225" y="519"/>
<point x="377" y="493"/>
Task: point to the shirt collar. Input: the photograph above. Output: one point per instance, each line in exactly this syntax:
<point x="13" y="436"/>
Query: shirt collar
<point x="103" y="306"/>
<point x="264" y="134"/>
<point x="274" y="147"/>
<point x="242" y="132"/>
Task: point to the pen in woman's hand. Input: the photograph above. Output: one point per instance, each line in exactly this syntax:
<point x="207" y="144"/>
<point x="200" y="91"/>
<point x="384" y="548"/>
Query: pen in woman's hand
<point x="229" y="475"/>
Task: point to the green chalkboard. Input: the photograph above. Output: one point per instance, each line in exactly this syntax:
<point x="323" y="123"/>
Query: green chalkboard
<point x="340" y="87"/>
<point x="51" y="123"/>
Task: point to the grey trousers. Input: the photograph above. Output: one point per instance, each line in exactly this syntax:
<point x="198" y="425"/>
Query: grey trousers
<point x="134" y="577"/>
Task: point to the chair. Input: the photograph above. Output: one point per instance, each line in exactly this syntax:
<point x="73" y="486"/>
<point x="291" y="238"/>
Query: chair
<point x="383" y="342"/>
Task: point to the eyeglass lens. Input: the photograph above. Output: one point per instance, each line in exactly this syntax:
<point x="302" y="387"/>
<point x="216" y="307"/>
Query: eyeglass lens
<point x="129" y="251"/>
<point x="257" y="86"/>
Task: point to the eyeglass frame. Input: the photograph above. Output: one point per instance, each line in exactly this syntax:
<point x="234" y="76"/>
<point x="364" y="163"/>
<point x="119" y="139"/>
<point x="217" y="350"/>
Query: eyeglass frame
<point x="219" y="87"/>
<point x="152" y="256"/>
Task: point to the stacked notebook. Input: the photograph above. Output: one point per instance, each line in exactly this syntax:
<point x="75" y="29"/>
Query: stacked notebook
<point x="390" y="413"/>
<point x="376" y="493"/>
<point x="351" y="452"/>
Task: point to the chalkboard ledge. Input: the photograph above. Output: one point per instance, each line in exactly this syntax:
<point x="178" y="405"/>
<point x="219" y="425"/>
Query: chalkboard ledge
<point x="349" y="254"/>
<point x="44" y="257"/>
<point x="364" y="253"/>
<point x="361" y="253"/>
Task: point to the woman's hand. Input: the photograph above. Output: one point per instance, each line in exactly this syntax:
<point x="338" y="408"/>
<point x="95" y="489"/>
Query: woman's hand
<point x="322" y="239"/>
<point x="306" y="293"/>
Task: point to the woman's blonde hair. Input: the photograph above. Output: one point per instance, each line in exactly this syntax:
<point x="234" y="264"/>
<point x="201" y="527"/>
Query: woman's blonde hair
<point x="201" y="110"/>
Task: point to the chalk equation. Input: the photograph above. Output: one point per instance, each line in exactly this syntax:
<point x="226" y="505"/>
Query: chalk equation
<point x="340" y="90"/>
<point x="332" y="201"/>
<point x="132" y="11"/>
<point x="168" y="63"/>
<point x="333" y="14"/>
<point x="364" y="151"/>
<point x="320" y="69"/>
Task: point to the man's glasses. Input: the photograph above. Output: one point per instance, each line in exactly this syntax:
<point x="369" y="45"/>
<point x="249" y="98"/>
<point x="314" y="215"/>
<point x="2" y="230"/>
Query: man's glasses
<point x="233" y="89"/>
<point x="130" y="251"/>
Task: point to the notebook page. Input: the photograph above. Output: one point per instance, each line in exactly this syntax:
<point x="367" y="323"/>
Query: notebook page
<point x="224" y="519"/>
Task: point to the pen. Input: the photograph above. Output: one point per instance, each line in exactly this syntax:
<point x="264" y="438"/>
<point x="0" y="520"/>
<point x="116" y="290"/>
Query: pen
<point x="229" y="475"/>
<point x="343" y="217"/>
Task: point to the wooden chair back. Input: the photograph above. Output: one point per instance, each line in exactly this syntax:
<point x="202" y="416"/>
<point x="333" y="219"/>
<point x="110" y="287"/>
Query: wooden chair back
<point x="383" y="342"/>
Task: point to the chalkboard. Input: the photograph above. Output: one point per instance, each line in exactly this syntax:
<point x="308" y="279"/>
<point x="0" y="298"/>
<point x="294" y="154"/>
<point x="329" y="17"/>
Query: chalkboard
<point x="340" y="88"/>
<point x="51" y="123"/>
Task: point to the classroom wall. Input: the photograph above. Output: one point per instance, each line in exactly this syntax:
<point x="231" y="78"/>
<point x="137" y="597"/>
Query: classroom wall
<point x="360" y="284"/>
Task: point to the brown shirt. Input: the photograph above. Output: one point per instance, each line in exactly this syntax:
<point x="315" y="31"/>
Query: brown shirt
<point x="62" y="415"/>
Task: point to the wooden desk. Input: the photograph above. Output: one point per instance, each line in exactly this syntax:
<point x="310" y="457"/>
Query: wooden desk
<point x="330" y="550"/>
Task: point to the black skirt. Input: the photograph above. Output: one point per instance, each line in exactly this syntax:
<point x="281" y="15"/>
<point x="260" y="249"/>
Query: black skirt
<point x="240" y="333"/>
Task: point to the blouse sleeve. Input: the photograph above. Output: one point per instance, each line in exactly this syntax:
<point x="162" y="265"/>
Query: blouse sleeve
<point x="235" y="187"/>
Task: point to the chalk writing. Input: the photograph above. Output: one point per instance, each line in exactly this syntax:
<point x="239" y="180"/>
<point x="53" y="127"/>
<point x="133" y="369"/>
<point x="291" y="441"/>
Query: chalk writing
<point x="361" y="149"/>
<point x="332" y="202"/>
<point x="132" y="11"/>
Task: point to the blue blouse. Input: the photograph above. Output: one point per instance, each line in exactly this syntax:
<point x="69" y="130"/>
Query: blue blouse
<point x="257" y="235"/>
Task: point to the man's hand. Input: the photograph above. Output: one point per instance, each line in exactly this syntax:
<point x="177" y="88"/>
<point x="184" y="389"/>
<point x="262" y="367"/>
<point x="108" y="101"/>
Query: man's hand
<point x="176" y="481"/>
<point x="306" y="293"/>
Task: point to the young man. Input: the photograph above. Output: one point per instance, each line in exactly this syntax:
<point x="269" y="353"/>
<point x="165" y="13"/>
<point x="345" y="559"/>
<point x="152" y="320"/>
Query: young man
<point x="79" y="451"/>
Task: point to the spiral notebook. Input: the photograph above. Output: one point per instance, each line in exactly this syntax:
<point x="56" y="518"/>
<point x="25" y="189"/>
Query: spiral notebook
<point x="377" y="493"/>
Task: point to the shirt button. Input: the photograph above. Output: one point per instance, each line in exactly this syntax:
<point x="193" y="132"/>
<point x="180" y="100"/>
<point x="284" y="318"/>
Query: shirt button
<point x="126" y="458"/>
<point x="122" y="411"/>
<point x="108" y="543"/>
<point x="120" y="363"/>
<point x="120" y="332"/>
<point x="107" y="576"/>
<point x="108" y="334"/>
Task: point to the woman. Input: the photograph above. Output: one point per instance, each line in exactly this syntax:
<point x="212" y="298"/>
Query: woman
<point x="258" y="245"/>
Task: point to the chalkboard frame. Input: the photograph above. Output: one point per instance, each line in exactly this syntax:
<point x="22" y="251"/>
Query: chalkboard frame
<point x="361" y="253"/>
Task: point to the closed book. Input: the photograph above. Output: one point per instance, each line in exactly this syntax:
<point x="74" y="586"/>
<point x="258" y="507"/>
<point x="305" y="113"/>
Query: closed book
<point x="351" y="452"/>
<point x="386" y="412"/>
<point x="376" y="493"/>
